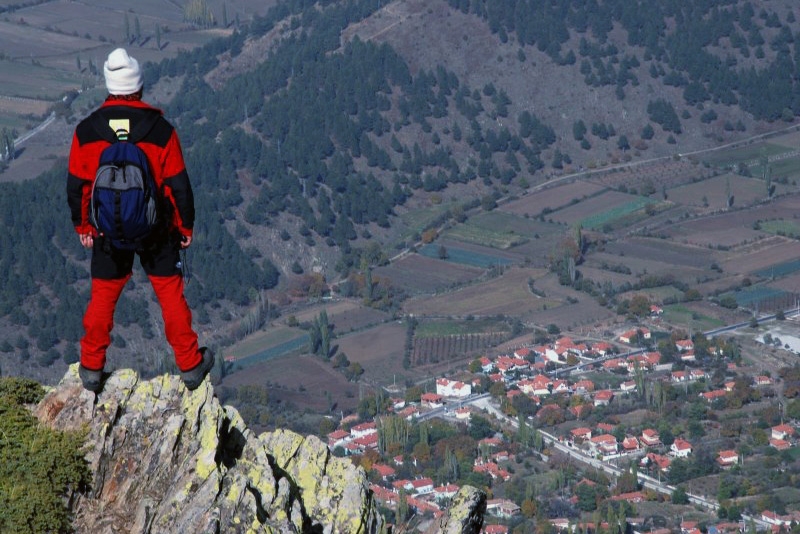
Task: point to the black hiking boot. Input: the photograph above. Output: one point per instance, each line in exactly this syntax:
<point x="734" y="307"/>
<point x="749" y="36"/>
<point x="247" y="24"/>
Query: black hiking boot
<point x="92" y="380"/>
<point x="194" y="377"/>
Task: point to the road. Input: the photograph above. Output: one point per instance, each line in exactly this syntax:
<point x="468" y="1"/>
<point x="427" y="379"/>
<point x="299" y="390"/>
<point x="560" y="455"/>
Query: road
<point x="24" y="137"/>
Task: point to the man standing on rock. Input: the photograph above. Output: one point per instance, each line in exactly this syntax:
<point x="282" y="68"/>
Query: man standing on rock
<point x="159" y="253"/>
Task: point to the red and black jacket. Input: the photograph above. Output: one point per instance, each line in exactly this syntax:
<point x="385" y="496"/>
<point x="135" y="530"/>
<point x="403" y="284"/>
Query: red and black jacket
<point x="163" y="151"/>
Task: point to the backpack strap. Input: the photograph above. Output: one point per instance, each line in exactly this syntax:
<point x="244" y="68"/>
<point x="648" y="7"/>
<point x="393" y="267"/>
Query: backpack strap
<point x="143" y="123"/>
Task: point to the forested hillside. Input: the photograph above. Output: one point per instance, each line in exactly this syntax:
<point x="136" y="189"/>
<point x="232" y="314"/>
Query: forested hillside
<point x="303" y="162"/>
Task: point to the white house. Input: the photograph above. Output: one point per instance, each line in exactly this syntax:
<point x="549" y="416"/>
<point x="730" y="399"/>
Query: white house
<point x="364" y="429"/>
<point x="680" y="448"/>
<point x="782" y="431"/>
<point x="422" y="486"/>
<point x="452" y="388"/>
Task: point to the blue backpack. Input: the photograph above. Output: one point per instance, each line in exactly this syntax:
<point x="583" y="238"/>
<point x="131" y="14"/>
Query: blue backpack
<point x="125" y="202"/>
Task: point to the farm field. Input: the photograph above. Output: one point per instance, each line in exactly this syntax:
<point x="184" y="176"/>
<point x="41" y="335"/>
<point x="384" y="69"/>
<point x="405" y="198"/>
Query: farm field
<point x="789" y="283"/>
<point x="508" y="294"/>
<point x="584" y="311"/>
<point x="752" y="152"/>
<point x="695" y="320"/>
<point x="552" y="198"/>
<point x="637" y="265"/>
<point x="446" y="327"/>
<point x="302" y="380"/>
<point x="660" y="252"/>
<point x="434" y="350"/>
<point x="784" y="171"/>
<point x="464" y="254"/>
<point x="714" y="235"/>
<point x="596" y="211"/>
<point x="759" y="255"/>
<point x="780" y="270"/>
<point x="789" y="140"/>
<point x="417" y="219"/>
<point x="591" y="270"/>
<point x="420" y="274"/>
<point x="785" y="227"/>
<point x="346" y="315"/>
<point x="736" y="227"/>
<point x="712" y="193"/>
<point x="263" y="339"/>
<point x="499" y="229"/>
<point x="781" y="152"/>
<point x="763" y="299"/>
<point x="379" y="350"/>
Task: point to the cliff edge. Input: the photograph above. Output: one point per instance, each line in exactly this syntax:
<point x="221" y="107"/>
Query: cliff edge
<point x="167" y="460"/>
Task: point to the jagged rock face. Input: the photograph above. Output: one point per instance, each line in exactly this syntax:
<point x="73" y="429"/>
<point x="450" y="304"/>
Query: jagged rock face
<point x="166" y="460"/>
<point x="465" y="514"/>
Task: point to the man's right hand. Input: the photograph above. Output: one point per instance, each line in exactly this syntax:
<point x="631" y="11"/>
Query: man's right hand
<point x="86" y="240"/>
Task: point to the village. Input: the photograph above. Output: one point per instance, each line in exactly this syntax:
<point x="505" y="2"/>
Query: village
<point x="544" y="388"/>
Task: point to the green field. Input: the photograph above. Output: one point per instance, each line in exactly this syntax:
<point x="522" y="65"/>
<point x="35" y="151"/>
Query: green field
<point x="788" y="168"/>
<point x="464" y="257"/>
<point x="781" y="227"/>
<point x="471" y="233"/>
<point x="727" y="158"/>
<point x="598" y="220"/>
<point x="24" y="79"/>
<point x="495" y="229"/>
<point x="264" y="339"/>
<point x="680" y="314"/>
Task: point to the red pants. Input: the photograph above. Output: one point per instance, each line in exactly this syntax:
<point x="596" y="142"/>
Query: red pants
<point x="99" y="320"/>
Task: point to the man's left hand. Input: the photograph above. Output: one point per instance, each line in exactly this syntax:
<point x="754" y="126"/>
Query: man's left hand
<point x="186" y="240"/>
<point x="86" y="240"/>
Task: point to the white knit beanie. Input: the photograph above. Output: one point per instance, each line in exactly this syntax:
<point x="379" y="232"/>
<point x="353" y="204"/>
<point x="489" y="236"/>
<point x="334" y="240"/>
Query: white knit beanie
<point x="123" y="76"/>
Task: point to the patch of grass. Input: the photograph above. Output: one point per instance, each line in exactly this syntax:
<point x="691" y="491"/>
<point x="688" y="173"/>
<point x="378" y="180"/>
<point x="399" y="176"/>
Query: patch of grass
<point x="781" y="227"/>
<point x="680" y="314"/>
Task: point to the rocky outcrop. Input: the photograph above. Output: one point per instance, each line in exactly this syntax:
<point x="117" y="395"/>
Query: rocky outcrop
<point x="465" y="515"/>
<point x="167" y="460"/>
